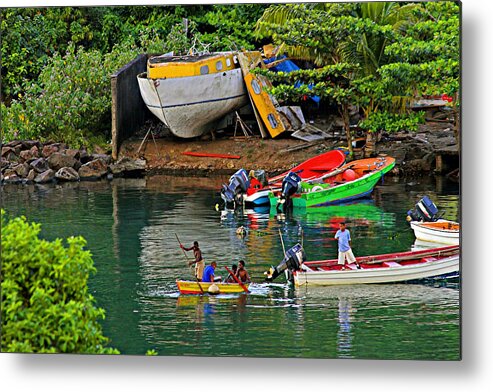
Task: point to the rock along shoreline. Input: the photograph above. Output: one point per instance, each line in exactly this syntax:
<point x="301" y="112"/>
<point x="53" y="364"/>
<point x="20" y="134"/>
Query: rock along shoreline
<point x="31" y="161"/>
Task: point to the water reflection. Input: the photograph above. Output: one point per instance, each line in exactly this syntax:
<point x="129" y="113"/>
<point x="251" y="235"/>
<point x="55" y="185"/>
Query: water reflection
<point x="130" y="227"/>
<point x="344" y="336"/>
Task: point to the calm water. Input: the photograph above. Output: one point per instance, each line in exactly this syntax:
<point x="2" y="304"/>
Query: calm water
<point x="130" y="227"/>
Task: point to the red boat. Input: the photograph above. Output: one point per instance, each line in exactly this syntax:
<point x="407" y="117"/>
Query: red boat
<point x="312" y="168"/>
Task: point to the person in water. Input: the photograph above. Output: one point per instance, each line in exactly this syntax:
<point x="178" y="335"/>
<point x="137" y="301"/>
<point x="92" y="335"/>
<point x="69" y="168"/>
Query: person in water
<point x="209" y="273"/>
<point x="230" y="278"/>
<point x="199" y="261"/>
<point x="242" y="273"/>
<point x="343" y="237"/>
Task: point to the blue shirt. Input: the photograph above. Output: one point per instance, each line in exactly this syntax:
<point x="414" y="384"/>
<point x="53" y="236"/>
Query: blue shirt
<point x="343" y="237"/>
<point x="208" y="274"/>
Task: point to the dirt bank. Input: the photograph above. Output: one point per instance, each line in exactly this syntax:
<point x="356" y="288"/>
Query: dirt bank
<point x="165" y="155"/>
<point x="415" y="152"/>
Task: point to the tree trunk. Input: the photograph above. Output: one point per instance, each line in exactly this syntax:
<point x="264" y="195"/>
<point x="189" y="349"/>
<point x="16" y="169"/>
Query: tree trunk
<point x="371" y="140"/>
<point x="345" y="119"/>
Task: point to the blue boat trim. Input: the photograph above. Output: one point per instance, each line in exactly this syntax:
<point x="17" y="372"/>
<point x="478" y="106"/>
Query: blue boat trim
<point x="260" y="201"/>
<point x="346" y="199"/>
<point x="197" y="103"/>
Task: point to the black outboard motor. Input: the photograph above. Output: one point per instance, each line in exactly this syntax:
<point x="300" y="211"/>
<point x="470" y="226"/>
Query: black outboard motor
<point x="425" y="210"/>
<point x="238" y="185"/>
<point x="290" y="185"/>
<point x="291" y="262"/>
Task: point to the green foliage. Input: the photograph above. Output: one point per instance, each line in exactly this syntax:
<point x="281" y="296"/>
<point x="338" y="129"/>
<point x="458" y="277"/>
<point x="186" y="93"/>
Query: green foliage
<point x="57" y="62"/>
<point x="391" y="122"/>
<point x="30" y="36"/>
<point x="46" y="305"/>
<point x="426" y="58"/>
<point x="229" y="27"/>
<point x="331" y="32"/>
<point x="332" y="82"/>
<point x="70" y="101"/>
<point x="378" y="56"/>
<point x="151" y="352"/>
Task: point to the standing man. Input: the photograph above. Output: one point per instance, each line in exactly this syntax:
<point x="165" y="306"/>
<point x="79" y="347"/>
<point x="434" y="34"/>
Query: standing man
<point x="209" y="273"/>
<point x="242" y="273"/>
<point x="344" y="244"/>
<point x="199" y="262"/>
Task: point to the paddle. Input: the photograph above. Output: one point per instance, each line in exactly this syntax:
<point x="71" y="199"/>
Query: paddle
<point x="237" y="280"/>
<point x="188" y="262"/>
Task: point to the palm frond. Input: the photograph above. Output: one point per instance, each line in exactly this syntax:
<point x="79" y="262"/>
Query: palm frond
<point x="278" y="15"/>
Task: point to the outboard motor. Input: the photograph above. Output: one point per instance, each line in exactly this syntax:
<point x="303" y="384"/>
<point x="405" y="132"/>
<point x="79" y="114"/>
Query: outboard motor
<point x="290" y="185"/>
<point x="425" y="210"/>
<point x="291" y="262"/>
<point x="238" y="184"/>
<point x="261" y="177"/>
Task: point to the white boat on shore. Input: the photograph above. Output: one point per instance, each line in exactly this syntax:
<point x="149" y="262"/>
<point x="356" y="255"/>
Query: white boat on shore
<point x="441" y="231"/>
<point x="191" y="94"/>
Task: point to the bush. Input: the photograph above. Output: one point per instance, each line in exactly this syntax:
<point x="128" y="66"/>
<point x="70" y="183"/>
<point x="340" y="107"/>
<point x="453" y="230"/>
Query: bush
<point x="46" y="306"/>
<point x="392" y="122"/>
<point x="71" y="100"/>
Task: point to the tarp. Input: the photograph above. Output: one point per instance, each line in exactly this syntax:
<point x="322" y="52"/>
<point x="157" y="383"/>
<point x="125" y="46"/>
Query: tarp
<point x="289" y="66"/>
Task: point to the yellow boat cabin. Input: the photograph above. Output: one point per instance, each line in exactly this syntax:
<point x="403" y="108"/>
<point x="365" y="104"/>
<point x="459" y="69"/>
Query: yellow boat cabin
<point x="165" y="67"/>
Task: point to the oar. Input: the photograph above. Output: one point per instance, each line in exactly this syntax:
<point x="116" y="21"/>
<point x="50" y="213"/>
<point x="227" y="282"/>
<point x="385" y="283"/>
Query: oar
<point x="282" y="242"/>
<point x="237" y="280"/>
<point x="188" y="262"/>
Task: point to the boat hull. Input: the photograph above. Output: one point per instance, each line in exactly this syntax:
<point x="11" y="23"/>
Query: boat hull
<point x="310" y="169"/>
<point x="430" y="232"/>
<point x="397" y="273"/>
<point x="191" y="287"/>
<point x="325" y="194"/>
<point x="192" y="106"/>
<point x="258" y="198"/>
<point x="383" y="268"/>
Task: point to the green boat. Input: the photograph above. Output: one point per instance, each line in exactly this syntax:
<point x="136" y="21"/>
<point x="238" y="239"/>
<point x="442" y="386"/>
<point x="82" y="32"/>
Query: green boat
<point x="352" y="181"/>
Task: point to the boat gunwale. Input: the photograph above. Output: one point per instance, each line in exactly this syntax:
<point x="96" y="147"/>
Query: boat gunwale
<point x="399" y="273"/>
<point x="327" y="187"/>
<point x="426" y="226"/>
<point x="191" y="284"/>
<point x="396" y="255"/>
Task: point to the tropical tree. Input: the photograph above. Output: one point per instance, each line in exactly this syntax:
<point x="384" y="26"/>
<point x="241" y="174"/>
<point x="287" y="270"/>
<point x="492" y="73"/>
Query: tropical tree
<point x="353" y="35"/>
<point x="425" y="60"/>
<point x="46" y="305"/>
<point x="367" y="40"/>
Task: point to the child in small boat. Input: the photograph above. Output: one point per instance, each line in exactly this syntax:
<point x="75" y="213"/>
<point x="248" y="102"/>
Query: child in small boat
<point x="230" y="278"/>
<point x="242" y="273"/>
